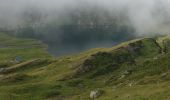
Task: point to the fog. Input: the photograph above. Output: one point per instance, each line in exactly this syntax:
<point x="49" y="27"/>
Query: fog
<point x="75" y="25"/>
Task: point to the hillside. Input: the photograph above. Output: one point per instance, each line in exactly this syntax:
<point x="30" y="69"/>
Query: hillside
<point x="134" y="70"/>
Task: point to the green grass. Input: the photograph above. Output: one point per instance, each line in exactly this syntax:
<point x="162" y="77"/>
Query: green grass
<point x="143" y="63"/>
<point x="12" y="47"/>
<point x="6" y="40"/>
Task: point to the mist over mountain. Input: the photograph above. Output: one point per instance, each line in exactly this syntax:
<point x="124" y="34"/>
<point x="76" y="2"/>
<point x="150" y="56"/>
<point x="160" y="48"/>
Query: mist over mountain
<point x="70" y="26"/>
<point x="84" y="50"/>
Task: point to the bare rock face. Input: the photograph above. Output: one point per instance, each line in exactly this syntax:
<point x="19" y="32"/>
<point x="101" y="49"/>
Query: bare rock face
<point x="85" y="67"/>
<point x="98" y="60"/>
<point x="105" y="62"/>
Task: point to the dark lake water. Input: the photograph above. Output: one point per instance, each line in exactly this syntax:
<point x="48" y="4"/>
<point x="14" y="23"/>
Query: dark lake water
<point x="58" y="50"/>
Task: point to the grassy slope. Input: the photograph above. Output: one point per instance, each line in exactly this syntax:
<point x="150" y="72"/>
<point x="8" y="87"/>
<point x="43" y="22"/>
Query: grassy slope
<point x="73" y="77"/>
<point x="11" y="47"/>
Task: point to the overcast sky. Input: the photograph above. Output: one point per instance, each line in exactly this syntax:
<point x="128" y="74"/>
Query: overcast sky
<point x="145" y="15"/>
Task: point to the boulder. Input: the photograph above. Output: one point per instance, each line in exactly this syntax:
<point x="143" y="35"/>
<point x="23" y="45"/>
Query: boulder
<point x="18" y="59"/>
<point x="2" y="69"/>
<point x="122" y="76"/>
<point x="95" y="94"/>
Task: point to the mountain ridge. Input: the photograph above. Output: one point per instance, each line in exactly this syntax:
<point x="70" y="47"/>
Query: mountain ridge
<point x="134" y="70"/>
